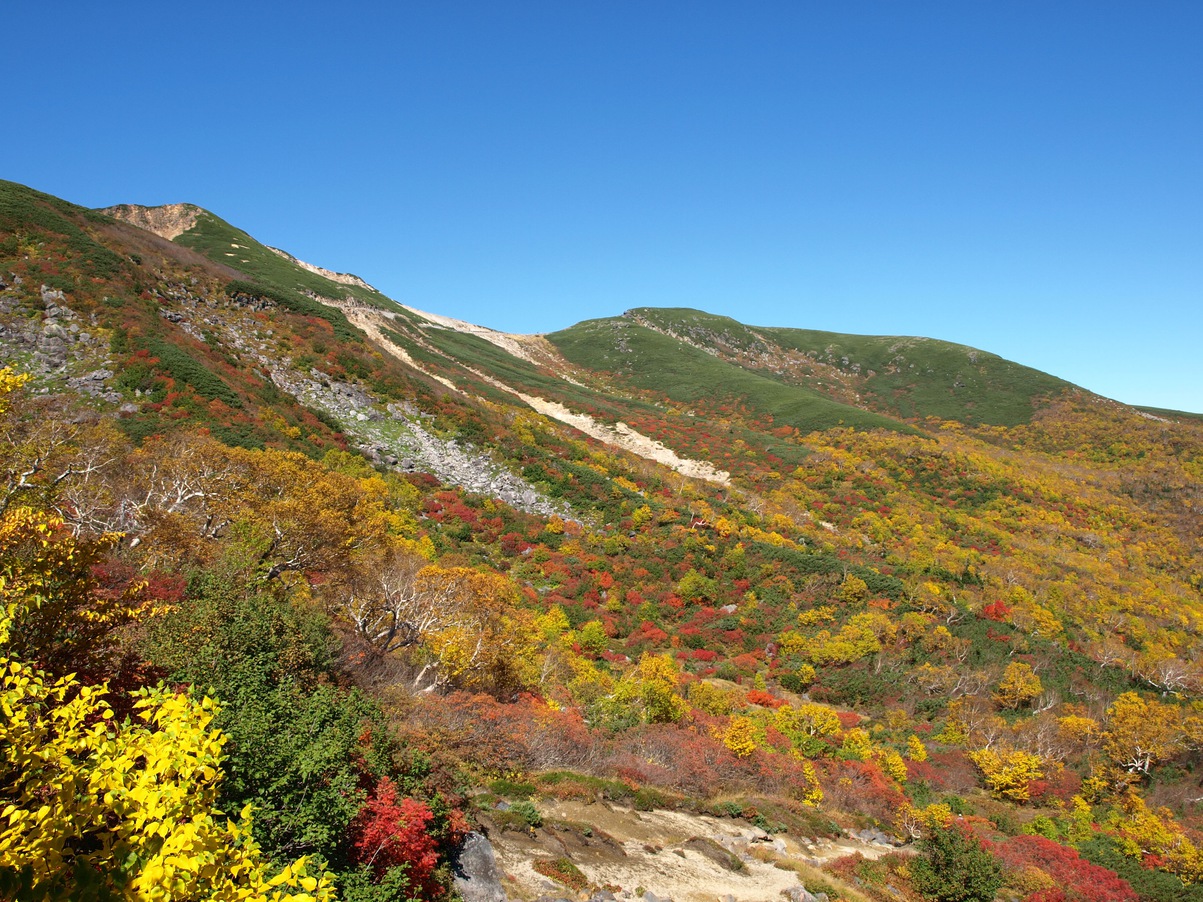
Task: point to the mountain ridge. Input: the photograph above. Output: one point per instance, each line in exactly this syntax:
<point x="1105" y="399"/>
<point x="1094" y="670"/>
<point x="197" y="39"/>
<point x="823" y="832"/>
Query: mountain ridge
<point x="175" y="226"/>
<point x="723" y="576"/>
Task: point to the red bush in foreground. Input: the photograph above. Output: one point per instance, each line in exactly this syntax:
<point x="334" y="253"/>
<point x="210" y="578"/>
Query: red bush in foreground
<point x="388" y="832"/>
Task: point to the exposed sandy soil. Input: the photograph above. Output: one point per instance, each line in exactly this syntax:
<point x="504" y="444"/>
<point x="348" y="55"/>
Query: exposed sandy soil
<point x="532" y="348"/>
<point x="632" y="849"/>
<point x="623" y="436"/>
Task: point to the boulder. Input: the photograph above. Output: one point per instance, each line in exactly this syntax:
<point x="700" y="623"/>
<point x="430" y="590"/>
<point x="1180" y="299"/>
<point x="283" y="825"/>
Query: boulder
<point x="716" y="853"/>
<point x="477" y="877"/>
<point x="50" y="296"/>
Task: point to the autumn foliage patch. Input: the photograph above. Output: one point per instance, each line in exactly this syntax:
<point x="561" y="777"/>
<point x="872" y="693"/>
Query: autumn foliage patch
<point x="1073" y="878"/>
<point x="393" y="832"/>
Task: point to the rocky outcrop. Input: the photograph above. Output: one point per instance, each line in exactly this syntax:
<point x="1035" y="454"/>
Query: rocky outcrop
<point x="665" y="855"/>
<point x="40" y="332"/>
<point x="477" y="877"/>
<point x="169" y="221"/>
<point x="396" y="435"/>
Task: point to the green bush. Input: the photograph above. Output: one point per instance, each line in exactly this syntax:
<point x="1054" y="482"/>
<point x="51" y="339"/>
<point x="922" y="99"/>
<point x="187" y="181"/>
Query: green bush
<point x="648" y="799"/>
<point x="528" y="812"/>
<point x="294" y="750"/>
<point x="244" y="436"/>
<point x="134" y="377"/>
<point x="954" y="867"/>
<point x="183" y="367"/>
<point x="796" y="682"/>
<point x="508" y="789"/>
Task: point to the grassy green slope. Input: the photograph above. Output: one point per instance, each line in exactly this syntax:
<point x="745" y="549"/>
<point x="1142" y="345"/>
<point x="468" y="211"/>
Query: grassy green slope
<point x="908" y="377"/>
<point x="657" y="362"/>
<point x="722" y="333"/>
<point x="920" y="377"/>
<point x="215" y="238"/>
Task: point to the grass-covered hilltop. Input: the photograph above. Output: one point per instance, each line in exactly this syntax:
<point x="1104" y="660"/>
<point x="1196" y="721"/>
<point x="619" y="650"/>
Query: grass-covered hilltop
<point x="308" y="594"/>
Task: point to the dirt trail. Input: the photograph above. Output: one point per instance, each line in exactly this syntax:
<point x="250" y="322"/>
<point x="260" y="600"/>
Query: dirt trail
<point x="623" y="436"/>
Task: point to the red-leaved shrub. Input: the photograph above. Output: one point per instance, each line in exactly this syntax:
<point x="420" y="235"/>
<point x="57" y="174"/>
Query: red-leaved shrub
<point x="1077" y="880"/>
<point x="389" y="832"/>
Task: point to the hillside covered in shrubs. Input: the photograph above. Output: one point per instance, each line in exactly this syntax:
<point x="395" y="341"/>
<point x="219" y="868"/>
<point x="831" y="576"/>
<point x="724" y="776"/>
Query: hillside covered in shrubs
<point x="302" y="587"/>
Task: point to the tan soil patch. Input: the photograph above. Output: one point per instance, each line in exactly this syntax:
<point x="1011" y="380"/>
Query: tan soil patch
<point x="632" y="849"/>
<point x="342" y="278"/>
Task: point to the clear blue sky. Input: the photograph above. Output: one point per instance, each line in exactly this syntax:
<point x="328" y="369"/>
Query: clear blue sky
<point x="1025" y="177"/>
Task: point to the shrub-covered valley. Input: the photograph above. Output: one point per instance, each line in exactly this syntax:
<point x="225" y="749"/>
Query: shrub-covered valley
<point x="306" y="591"/>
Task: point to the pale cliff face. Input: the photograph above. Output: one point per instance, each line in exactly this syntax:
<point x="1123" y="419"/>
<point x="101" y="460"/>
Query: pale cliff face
<point x="169" y="221"/>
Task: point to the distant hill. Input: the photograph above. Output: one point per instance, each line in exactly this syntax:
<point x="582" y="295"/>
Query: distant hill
<point x="900" y="376"/>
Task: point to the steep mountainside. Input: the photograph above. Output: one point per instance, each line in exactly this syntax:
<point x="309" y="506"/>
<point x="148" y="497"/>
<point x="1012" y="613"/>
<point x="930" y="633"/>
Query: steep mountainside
<point x="745" y="580"/>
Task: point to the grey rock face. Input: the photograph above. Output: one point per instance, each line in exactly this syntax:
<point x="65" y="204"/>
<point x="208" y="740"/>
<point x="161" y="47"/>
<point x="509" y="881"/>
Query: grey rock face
<point x="92" y="383"/>
<point x="51" y="353"/>
<point x="477" y="877"/>
<point x="53" y="330"/>
<point x="875" y="837"/>
<point x="50" y="296"/>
